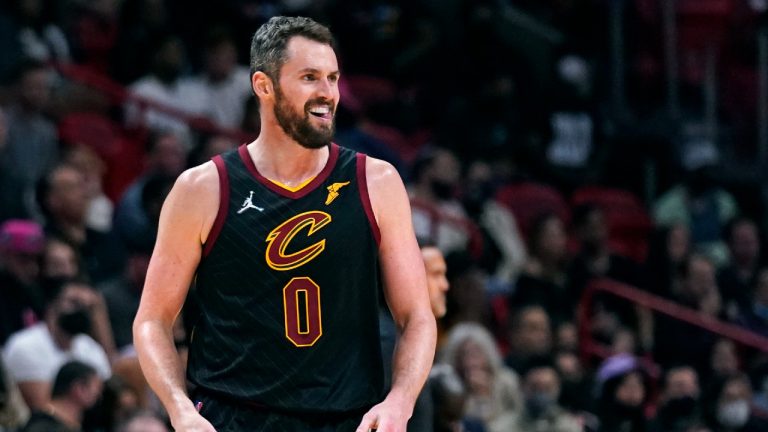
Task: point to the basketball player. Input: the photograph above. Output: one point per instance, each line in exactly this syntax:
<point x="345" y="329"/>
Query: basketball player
<point x="287" y="238"/>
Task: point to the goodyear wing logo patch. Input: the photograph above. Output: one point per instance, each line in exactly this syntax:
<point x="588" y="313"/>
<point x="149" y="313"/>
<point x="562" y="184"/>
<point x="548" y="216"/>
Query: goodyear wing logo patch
<point x="333" y="191"/>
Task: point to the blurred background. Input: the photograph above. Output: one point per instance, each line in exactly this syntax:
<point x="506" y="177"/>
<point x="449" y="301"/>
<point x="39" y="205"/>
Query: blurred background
<point x="594" y="172"/>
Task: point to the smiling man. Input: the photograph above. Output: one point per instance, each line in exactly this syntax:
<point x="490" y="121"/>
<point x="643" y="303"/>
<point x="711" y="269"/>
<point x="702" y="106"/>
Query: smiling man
<point x="288" y="237"/>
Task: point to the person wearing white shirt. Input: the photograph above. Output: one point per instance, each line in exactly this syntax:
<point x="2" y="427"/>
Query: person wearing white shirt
<point x="33" y="356"/>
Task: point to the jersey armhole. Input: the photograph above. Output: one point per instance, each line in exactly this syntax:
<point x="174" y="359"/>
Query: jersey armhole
<point x="365" y="199"/>
<point x="221" y="214"/>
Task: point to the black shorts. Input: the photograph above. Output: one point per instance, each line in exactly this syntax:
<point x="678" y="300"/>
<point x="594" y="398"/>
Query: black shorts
<point x="233" y="416"/>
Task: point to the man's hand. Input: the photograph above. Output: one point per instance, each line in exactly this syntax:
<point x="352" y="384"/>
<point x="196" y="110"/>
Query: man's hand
<point x="192" y="422"/>
<point x="388" y="416"/>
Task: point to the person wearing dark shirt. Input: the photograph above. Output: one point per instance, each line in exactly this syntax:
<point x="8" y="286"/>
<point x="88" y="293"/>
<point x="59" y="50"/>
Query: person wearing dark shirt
<point x="21" y="303"/>
<point x="76" y="388"/>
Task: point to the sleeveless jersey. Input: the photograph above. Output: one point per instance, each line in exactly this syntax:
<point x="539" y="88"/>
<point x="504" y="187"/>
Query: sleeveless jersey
<point x="288" y="286"/>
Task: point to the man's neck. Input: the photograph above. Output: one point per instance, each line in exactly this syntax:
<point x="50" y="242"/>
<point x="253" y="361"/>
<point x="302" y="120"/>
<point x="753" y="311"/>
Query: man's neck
<point x="280" y="158"/>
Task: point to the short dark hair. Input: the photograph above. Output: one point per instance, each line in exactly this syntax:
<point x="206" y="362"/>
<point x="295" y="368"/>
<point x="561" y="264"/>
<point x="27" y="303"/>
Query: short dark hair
<point x="71" y="373"/>
<point x="269" y="41"/>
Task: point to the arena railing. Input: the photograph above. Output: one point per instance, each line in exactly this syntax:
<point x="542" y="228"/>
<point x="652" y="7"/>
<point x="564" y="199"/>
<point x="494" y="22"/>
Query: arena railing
<point x="118" y="95"/>
<point x="660" y="305"/>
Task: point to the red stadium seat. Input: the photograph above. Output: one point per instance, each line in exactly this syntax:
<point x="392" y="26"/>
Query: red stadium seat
<point x="629" y="224"/>
<point x="528" y="201"/>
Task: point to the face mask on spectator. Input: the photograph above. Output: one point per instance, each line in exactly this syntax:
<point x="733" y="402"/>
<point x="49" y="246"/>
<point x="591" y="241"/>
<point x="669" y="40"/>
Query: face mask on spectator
<point x="75" y="322"/>
<point x="538" y="403"/>
<point x="442" y="189"/>
<point x="733" y="414"/>
<point x="679" y="407"/>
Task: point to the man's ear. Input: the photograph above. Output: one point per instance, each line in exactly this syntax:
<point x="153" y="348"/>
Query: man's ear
<point x="262" y="85"/>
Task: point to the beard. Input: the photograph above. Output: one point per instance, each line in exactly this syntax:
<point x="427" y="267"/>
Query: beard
<point x="299" y="127"/>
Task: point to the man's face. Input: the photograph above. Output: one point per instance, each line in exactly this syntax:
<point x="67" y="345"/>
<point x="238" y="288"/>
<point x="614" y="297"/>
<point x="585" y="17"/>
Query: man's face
<point x="542" y="380"/>
<point x="59" y="260"/>
<point x="682" y="382"/>
<point x="534" y="334"/>
<point x="307" y="92"/>
<point x="35" y="89"/>
<point x="437" y="283"/>
<point x="89" y="391"/>
<point x="67" y="197"/>
<point x="745" y="243"/>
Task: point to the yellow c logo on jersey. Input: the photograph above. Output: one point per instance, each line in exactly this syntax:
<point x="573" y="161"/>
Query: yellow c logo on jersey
<point x="333" y="191"/>
<point x="280" y="237"/>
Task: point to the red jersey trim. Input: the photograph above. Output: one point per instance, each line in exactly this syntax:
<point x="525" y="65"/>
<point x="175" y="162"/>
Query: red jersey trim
<point x="365" y="199"/>
<point x="333" y="155"/>
<point x="221" y="215"/>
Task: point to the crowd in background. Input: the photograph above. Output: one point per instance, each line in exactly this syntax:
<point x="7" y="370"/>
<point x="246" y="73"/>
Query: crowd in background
<point x="524" y="165"/>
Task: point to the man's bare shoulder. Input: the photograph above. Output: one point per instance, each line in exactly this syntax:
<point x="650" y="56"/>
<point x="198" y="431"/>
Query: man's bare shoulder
<point x="200" y="179"/>
<point x="379" y="173"/>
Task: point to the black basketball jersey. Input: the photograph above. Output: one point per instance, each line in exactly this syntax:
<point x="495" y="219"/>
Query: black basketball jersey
<point x="288" y="287"/>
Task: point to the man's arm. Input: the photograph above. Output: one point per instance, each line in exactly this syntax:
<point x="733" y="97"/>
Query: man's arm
<point x="185" y="221"/>
<point x="405" y="287"/>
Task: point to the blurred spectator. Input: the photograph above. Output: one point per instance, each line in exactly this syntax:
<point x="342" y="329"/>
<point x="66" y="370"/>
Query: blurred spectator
<point x="575" y="383"/>
<point x="94" y="32"/>
<point x="667" y="256"/>
<point x="13" y="412"/>
<point x="438" y="216"/>
<point x="753" y="315"/>
<point x="142" y="421"/>
<point x="437" y="286"/>
<point x="33" y="33"/>
<point x="63" y="200"/>
<point x="595" y="259"/>
<point x="76" y="387"/>
<point x="119" y="403"/>
<point x="210" y="147"/>
<point x="723" y="360"/>
<point x="542" y="413"/>
<point x="729" y="408"/>
<point x="100" y="208"/>
<point x="703" y="206"/>
<point x="165" y="159"/>
<point x="12" y="205"/>
<point x="31" y="150"/>
<point x="622" y="394"/>
<point x="449" y="395"/>
<point x="567" y="336"/>
<point x="221" y="91"/>
<point x="467" y="299"/>
<point x="737" y="279"/>
<point x="530" y="336"/>
<point x="21" y="302"/>
<point x="437" y="283"/>
<point x="679" y="403"/>
<point x="122" y="295"/>
<point x="544" y="280"/>
<point x="35" y="354"/>
<point x="162" y="85"/>
<point x="493" y="390"/>
<point x="59" y="260"/>
<point x="676" y="341"/>
<point x="504" y="251"/>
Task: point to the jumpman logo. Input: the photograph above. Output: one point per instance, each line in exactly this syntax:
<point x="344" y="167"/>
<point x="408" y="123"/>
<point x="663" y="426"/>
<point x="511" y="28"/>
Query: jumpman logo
<point x="248" y="204"/>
